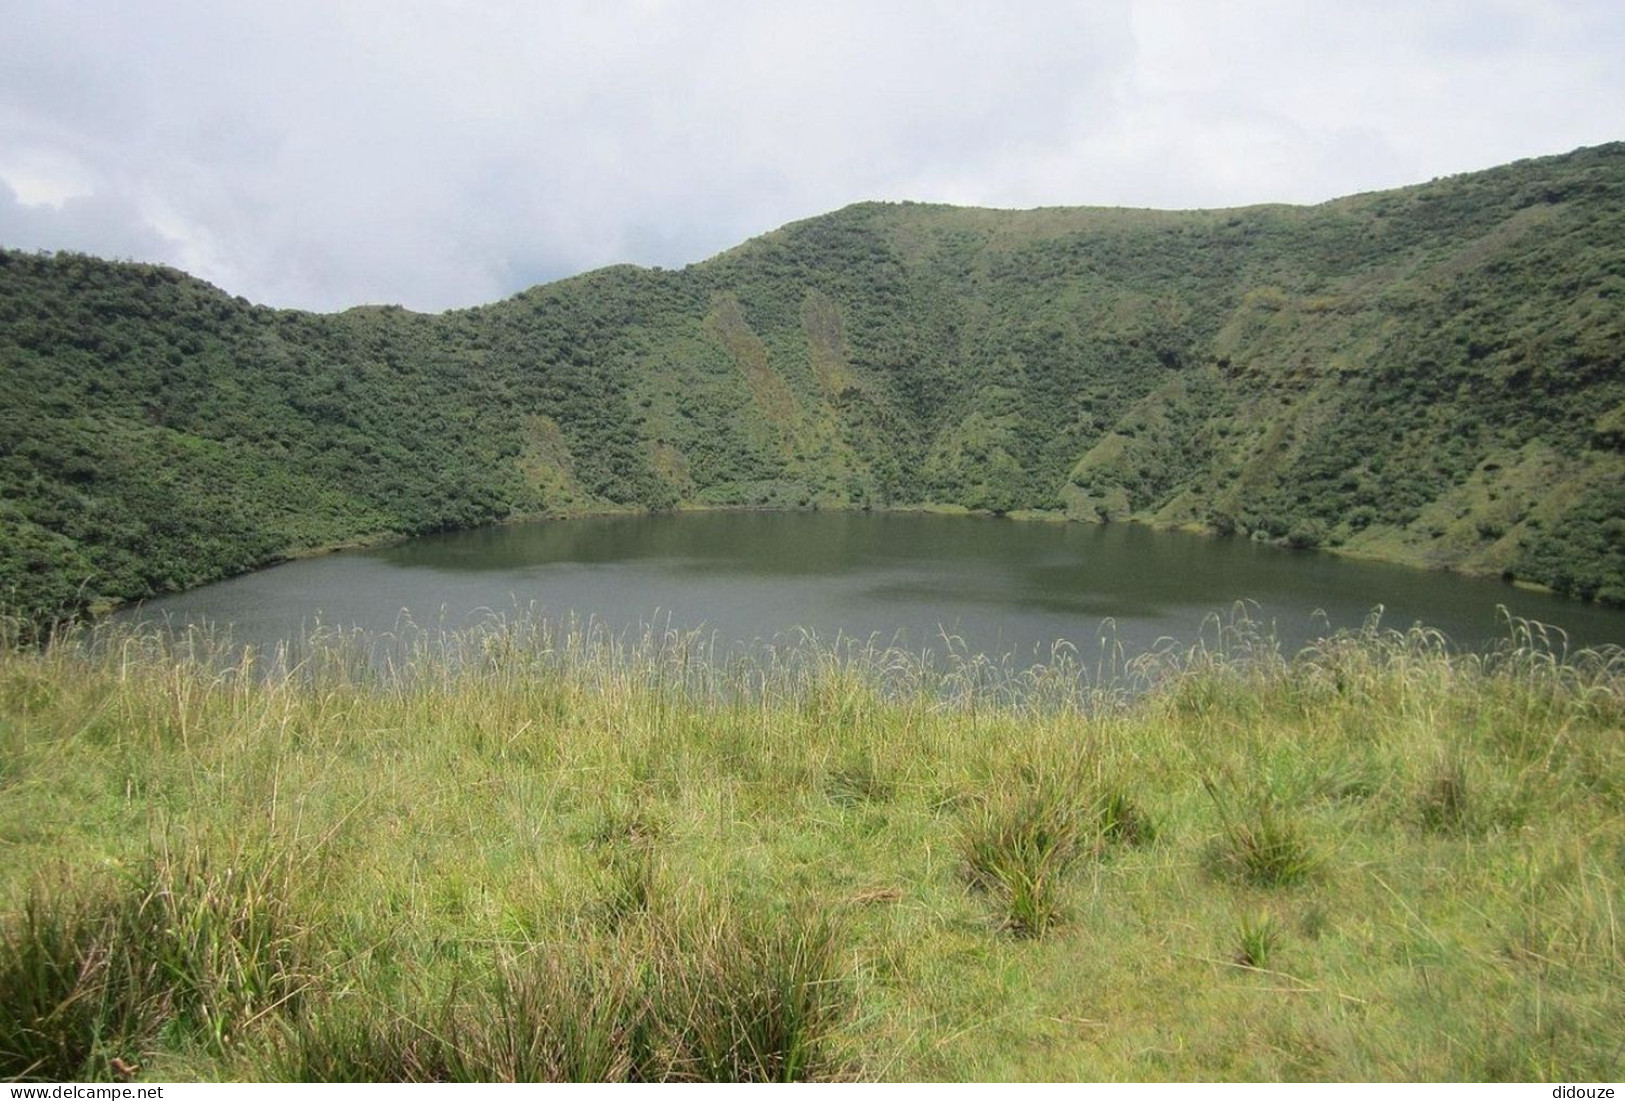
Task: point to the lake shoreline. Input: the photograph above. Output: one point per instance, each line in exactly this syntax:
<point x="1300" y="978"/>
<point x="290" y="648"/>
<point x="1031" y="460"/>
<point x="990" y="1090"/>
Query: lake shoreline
<point x="1024" y="516"/>
<point x="919" y="576"/>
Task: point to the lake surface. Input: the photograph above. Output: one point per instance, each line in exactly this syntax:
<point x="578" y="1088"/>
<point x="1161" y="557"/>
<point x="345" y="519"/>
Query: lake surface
<point x="1001" y="587"/>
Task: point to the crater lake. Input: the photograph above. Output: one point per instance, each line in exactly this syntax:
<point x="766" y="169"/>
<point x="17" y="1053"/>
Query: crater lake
<point x="982" y="585"/>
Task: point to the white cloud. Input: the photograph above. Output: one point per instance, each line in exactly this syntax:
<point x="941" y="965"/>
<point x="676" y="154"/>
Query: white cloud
<point x="43" y="176"/>
<point x="437" y="154"/>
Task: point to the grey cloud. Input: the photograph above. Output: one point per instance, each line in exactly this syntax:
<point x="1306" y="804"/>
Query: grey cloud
<point x="322" y="155"/>
<point x="103" y="225"/>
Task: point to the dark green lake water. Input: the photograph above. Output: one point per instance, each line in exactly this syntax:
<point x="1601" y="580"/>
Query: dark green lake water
<point x="1003" y="587"/>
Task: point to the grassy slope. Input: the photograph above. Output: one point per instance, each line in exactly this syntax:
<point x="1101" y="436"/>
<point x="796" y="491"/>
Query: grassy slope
<point x="1430" y="375"/>
<point x="1376" y="862"/>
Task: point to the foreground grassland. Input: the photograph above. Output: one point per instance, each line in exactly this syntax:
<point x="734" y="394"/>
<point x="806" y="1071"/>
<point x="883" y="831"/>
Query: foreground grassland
<point x="548" y="855"/>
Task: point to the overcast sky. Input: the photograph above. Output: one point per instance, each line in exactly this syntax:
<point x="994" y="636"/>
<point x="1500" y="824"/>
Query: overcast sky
<point x="323" y="154"/>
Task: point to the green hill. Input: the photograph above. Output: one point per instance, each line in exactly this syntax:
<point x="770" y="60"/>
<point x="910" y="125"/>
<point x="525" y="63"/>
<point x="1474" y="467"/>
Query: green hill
<point x="1430" y="375"/>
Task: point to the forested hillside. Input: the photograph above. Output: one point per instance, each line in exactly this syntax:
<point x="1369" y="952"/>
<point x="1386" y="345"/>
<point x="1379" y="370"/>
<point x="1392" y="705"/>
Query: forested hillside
<point x="1430" y="375"/>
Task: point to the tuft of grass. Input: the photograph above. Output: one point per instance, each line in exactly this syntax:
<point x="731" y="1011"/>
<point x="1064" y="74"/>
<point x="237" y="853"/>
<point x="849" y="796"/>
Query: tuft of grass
<point x="545" y="1018"/>
<point x="1257" y="938"/>
<point x="221" y="939"/>
<point x="710" y="994"/>
<point x="1123" y="821"/>
<point x="182" y="946"/>
<point x="372" y="1044"/>
<point x="743" y="996"/>
<point x="63" y="1012"/>
<point x="1018" y="846"/>
<point x="1262" y="847"/>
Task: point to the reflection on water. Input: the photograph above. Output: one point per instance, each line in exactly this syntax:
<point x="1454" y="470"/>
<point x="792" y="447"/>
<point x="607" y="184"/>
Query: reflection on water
<point x="999" y="587"/>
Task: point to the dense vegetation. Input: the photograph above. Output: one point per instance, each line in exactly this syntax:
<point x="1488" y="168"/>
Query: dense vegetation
<point x="544" y="856"/>
<point x="1430" y="375"/>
